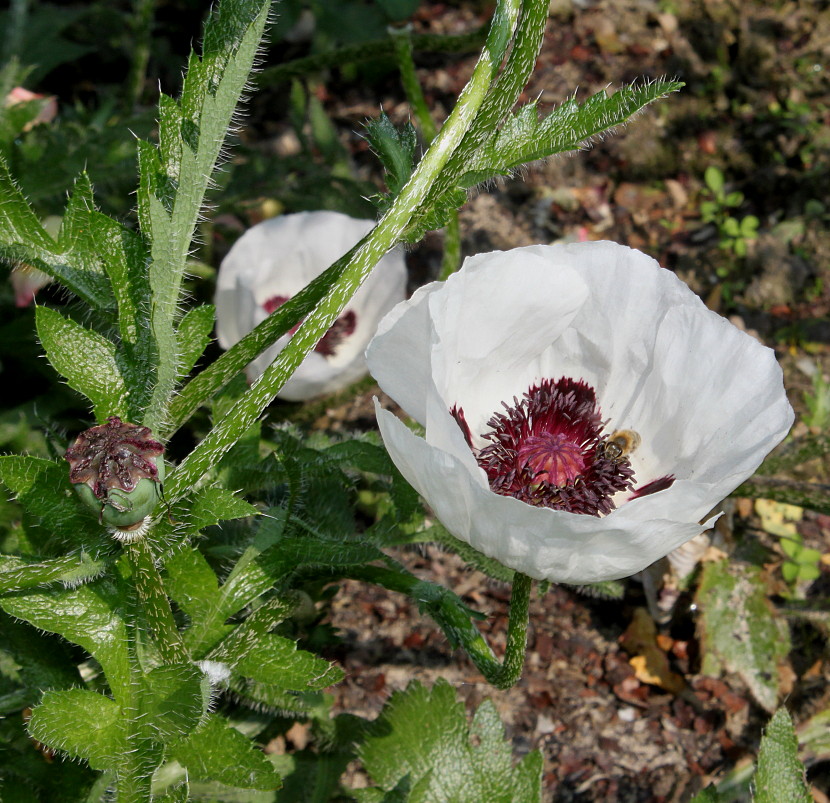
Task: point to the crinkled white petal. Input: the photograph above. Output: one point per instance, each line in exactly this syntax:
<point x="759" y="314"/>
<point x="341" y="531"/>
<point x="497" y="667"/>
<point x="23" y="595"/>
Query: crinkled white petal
<point x="279" y="257"/>
<point x="706" y="399"/>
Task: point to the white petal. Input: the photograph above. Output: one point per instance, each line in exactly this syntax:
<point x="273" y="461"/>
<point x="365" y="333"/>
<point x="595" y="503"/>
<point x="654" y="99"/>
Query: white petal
<point x="483" y="349"/>
<point x="710" y="408"/>
<point x="398" y="355"/>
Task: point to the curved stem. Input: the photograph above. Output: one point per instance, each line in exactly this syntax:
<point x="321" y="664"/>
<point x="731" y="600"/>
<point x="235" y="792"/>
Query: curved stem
<point x="453" y="617"/>
<point x="505" y="674"/>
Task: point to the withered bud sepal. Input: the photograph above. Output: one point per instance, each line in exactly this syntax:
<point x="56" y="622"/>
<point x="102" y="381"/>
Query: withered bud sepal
<point x="117" y="469"/>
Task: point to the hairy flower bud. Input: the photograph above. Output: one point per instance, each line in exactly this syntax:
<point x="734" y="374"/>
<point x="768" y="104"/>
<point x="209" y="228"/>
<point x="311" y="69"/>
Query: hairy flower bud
<point x="117" y="469"/>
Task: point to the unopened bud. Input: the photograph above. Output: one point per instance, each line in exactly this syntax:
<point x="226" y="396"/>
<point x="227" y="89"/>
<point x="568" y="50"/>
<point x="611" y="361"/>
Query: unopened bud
<point x="117" y="469"/>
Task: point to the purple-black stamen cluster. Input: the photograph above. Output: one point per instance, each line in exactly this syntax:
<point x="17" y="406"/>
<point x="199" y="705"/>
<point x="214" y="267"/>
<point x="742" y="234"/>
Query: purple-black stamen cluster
<point x="548" y="450"/>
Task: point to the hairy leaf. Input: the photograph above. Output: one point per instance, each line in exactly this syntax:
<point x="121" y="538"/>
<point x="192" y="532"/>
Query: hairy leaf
<point x="212" y="505"/>
<point x="194" y="335"/>
<point x="175" y="176"/>
<point x="82" y="724"/>
<point x="42" y="487"/>
<point x="24" y="240"/>
<point x="780" y="775"/>
<point x="276" y="661"/>
<point x="395" y="147"/>
<point x="71" y="570"/>
<point x="29" y="663"/>
<point x="87" y="360"/>
<point x="217" y="752"/>
<point x="524" y="138"/>
<point x="90" y="616"/>
<point x="173" y="700"/>
<point x="740" y="630"/>
<point x="424" y="734"/>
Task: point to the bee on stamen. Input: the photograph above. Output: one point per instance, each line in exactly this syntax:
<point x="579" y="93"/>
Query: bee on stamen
<point x="620" y="444"/>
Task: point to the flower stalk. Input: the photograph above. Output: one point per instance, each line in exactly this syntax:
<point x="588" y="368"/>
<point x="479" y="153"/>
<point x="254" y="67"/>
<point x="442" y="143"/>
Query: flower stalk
<point x="153" y="601"/>
<point x="402" y="38"/>
<point x="383" y="237"/>
<point x="507" y="673"/>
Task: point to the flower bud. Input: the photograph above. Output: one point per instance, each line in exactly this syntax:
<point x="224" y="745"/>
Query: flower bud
<point x="117" y="469"/>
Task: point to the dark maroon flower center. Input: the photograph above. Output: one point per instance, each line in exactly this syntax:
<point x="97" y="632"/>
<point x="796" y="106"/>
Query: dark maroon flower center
<point x="328" y="344"/>
<point x="548" y="449"/>
<point x="113" y="455"/>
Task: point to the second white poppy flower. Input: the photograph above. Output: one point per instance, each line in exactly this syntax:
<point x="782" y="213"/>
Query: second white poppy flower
<point x="273" y="261"/>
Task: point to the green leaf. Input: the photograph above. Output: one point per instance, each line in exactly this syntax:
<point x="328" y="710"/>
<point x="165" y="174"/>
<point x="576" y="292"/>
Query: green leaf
<point x="175" y="176"/>
<point x="709" y="795"/>
<point x="87" y="360"/>
<point x="82" y="724"/>
<point x="814" y="737"/>
<point x="424" y="734"/>
<point x="90" y="616"/>
<point x="731" y="227"/>
<point x="714" y="179"/>
<point x="524" y="138"/>
<point x="740" y="630"/>
<point x="23" y="239"/>
<point x="438" y="214"/>
<point x="29" y="663"/>
<point x="395" y="147"/>
<point x="43" y="488"/>
<point x="71" y="570"/>
<point x="808" y="571"/>
<point x="780" y="775"/>
<point x="212" y="505"/>
<point x="192" y="583"/>
<point x="194" y="335"/>
<point x="174" y="700"/>
<point x="276" y="661"/>
<point x="217" y="752"/>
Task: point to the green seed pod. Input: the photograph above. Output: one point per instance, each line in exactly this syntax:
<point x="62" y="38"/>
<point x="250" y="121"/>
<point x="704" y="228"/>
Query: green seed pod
<point x="117" y="469"/>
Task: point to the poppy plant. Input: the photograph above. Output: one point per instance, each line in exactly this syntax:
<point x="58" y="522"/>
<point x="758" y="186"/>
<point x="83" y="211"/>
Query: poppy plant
<point x="583" y="411"/>
<point x="277" y="258"/>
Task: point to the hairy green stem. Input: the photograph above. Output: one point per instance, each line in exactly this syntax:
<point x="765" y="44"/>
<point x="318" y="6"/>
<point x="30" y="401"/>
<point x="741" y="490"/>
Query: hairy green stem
<point x="379" y="48"/>
<point x="207" y="383"/>
<point x="135" y="770"/>
<point x="504" y="95"/>
<point x="451" y="260"/>
<point x="383" y="237"/>
<point x="402" y="37"/>
<point x="402" y="40"/>
<point x="446" y="610"/>
<point x="154" y="603"/>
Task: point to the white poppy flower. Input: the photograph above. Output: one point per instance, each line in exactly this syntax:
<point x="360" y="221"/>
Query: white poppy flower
<point x="273" y="261"/>
<point x="583" y="410"/>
